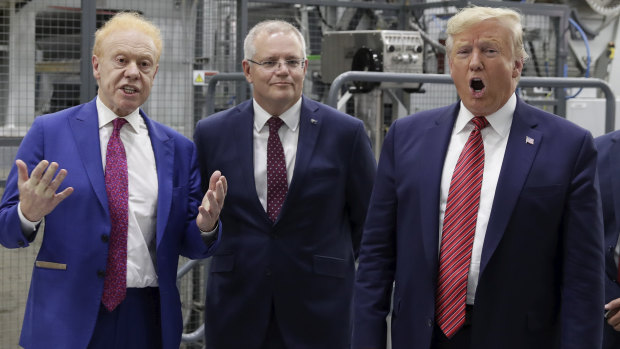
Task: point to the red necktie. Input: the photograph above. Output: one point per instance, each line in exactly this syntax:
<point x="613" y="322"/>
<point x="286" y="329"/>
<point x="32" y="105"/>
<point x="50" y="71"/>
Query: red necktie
<point x="116" y="183"/>
<point x="277" y="185"/>
<point x="459" y="226"/>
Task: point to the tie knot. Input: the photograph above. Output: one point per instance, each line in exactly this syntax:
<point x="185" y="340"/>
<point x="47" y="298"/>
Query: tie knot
<point x="118" y="123"/>
<point x="274" y="123"/>
<point x="480" y="122"/>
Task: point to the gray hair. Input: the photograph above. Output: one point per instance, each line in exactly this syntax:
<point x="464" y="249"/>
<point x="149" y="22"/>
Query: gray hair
<point x="270" y="27"/>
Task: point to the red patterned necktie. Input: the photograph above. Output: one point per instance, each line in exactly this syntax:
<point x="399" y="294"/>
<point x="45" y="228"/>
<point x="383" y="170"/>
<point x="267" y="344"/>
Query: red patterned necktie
<point x="116" y="183"/>
<point x="277" y="184"/>
<point x="459" y="226"/>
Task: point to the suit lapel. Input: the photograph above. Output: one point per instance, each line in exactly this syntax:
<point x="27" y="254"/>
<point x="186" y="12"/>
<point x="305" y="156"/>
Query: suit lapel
<point x="242" y="124"/>
<point x="435" y="142"/>
<point x="523" y="143"/>
<point x="85" y="127"/>
<point x="163" y="149"/>
<point x="310" y="123"/>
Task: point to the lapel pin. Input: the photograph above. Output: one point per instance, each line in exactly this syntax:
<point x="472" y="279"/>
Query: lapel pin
<point x="313" y="121"/>
<point x="529" y="140"/>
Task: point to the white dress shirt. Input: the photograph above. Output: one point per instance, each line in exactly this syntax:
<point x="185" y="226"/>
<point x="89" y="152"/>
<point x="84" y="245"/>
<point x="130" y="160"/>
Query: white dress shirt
<point x="142" y="174"/>
<point x="495" y="138"/>
<point x="289" y="136"/>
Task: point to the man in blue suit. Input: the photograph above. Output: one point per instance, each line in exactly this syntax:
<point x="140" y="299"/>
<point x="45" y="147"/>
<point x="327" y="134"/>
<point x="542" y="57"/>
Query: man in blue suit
<point x="151" y="209"/>
<point x="514" y="258"/>
<point x="609" y="178"/>
<point x="283" y="276"/>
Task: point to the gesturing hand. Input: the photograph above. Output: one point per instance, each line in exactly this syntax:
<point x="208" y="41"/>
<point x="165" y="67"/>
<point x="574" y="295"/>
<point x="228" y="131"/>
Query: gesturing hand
<point x="212" y="202"/>
<point x="37" y="194"/>
<point x="613" y="315"/>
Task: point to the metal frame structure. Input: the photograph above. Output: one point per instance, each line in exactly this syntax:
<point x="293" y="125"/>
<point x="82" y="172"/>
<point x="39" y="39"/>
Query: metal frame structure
<point x="403" y="9"/>
<point x="561" y="83"/>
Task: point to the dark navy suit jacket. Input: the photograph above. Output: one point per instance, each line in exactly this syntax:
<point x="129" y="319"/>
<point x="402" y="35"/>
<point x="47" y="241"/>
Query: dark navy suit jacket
<point x="303" y="265"/>
<point x="63" y="304"/>
<point x="540" y="283"/>
<point x="609" y="176"/>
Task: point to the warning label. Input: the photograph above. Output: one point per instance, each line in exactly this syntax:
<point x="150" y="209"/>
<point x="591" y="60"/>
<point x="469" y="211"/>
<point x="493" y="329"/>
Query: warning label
<point x="201" y="77"/>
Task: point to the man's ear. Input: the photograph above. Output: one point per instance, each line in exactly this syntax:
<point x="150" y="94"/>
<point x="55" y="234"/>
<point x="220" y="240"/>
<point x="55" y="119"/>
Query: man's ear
<point x="246" y="71"/>
<point x="156" y="70"/>
<point x="518" y="68"/>
<point x="95" y="62"/>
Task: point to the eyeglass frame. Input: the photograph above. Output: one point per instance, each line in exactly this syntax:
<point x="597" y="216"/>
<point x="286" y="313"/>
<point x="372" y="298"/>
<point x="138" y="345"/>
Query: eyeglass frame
<point x="278" y="63"/>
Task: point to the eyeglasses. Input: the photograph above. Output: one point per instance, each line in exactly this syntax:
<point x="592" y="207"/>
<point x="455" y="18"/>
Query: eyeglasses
<point x="290" y="64"/>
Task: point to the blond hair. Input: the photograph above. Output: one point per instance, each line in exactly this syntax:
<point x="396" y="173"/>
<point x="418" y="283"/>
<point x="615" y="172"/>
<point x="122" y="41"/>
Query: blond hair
<point x="470" y="16"/>
<point x="270" y="27"/>
<point x="128" y="21"/>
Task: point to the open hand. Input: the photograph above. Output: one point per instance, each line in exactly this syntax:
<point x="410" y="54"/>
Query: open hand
<point x="37" y="193"/>
<point x="212" y="202"/>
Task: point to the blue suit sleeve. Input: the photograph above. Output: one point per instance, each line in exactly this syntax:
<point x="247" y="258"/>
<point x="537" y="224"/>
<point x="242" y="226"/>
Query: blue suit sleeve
<point x="362" y="170"/>
<point x="31" y="152"/>
<point x="582" y="248"/>
<point x="377" y="262"/>
<point x="194" y="246"/>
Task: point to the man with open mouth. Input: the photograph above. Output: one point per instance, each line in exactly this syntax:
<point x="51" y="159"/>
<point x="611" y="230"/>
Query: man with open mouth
<point x="485" y="221"/>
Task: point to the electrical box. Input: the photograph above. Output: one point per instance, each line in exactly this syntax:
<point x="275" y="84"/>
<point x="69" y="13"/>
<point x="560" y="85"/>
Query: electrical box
<point x="589" y="113"/>
<point x="373" y="51"/>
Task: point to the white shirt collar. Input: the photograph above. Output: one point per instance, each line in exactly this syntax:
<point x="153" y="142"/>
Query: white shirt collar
<point x="290" y="116"/>
<point x="500" y="121"/>
<point x="106" y="116"/>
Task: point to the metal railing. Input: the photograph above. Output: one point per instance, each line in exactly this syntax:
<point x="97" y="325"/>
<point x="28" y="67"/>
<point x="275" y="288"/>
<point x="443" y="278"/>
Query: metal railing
<point x="198" y="334"/>
<point x="610" y="105"/>
<point x="210" y="96"/>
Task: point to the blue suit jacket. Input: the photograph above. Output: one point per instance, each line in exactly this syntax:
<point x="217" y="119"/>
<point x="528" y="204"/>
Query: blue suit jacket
<point x="540" y="284"/>
<point x="63" y="304"/>
<point x="304" y="263"/>
<point x="609" y="176"/>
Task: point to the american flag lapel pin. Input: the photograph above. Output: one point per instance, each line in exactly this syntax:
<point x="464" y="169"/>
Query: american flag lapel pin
<point x="529" y="140"/>
<point x="313" y="121"/>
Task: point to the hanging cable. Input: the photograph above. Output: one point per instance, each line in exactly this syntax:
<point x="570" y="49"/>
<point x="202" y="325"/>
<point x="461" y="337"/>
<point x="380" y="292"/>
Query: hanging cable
<point x="588" y="57"/>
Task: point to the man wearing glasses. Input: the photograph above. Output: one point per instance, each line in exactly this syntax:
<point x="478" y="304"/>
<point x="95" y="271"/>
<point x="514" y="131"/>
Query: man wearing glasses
<point x="300" y="175"/>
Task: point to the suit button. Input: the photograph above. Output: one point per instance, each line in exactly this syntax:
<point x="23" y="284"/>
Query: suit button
<point x="101" y="273"/>
<point x="429" y="323"/>
<point x="610" y="248"/>
<point x="105" y="237"/>
<point x="20" y="243"/>
<point x="268" y="272"/>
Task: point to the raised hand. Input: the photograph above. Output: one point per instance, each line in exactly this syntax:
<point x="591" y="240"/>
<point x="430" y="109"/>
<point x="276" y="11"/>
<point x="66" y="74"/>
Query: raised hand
<point x="37" y="193"/>
<point x="212" y="202"/>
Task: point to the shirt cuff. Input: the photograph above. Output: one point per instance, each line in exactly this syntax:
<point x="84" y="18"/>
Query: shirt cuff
<point x="209" y="237"/>
<point x="28" y="227"/>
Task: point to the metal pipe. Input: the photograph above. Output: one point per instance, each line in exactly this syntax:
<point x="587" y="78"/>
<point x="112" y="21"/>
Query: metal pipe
<point x="185" y="268"/>
<point x="195" y="336"/>
<point x="210" y="97"/>
<point x="610" y="105"/>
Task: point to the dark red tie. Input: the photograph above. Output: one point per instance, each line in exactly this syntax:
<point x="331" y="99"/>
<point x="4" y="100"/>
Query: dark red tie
<point x="459" y="226"/>
<point x="116" y="183"/>
<point x="277" y="185"/>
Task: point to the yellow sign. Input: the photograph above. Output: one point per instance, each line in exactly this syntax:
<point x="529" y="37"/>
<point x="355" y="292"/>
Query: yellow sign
<point x="201" y="77"/>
